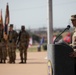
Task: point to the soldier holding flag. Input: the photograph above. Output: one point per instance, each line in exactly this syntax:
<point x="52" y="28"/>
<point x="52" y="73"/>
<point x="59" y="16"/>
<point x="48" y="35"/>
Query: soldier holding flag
<point x="3" y="52"/>
<point x="6" y="27"/>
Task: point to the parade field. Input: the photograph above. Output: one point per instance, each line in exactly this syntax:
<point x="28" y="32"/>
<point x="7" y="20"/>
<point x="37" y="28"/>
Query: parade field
<point x="36" y="65"/>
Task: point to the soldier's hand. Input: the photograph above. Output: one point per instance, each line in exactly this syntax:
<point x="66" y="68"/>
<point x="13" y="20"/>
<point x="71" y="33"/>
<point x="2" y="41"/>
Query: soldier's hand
<point x="72" y="54"/>
<point x="17" y="46"/>
<point x="5" y="36"/>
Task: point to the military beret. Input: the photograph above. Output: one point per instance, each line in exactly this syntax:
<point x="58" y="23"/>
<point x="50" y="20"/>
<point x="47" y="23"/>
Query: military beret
<point x="73" y="17"/>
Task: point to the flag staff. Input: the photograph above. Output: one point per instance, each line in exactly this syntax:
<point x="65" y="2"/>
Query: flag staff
<point x="6" y="22"/>
<point x="6" y="18"/>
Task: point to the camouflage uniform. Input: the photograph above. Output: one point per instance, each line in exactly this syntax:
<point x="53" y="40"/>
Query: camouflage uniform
<point x="23" y="44"/>
<point x="12" y="38"/>
<point x="1" y="46"/>
<point x="3" y="51"/>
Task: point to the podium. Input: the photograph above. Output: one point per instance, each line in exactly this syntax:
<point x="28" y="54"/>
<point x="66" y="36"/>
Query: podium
<point x="63" y="63"/>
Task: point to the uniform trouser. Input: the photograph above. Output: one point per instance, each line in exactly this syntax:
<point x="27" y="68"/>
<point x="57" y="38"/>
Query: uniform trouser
<point x="23" y="51"/>
<point x="3" y="52"/>
<point x="12" y="52"/>
<point x="23" y="55"/>
<point x="0" y="54"/>
<point x="12" y="55"/>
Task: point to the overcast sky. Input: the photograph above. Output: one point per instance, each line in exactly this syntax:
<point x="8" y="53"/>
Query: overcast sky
<point x="33" y="13"/>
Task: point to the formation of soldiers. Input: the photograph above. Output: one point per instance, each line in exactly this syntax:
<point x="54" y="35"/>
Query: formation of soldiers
<point x="8" y="44"/>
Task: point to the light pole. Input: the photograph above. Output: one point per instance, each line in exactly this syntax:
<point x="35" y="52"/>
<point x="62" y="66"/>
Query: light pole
<point x="59" y="61"/>
<point x="50" y="52"/>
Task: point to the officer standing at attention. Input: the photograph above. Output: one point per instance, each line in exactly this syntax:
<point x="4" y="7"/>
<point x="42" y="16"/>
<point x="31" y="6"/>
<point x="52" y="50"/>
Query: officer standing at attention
<point x="12" y="38"/>
<point x="23" y="44"/>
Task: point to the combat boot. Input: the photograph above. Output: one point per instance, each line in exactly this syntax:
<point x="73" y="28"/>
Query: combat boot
<point x="1" y="61"/>
<point x="21" y="61"/>
<point x="14" y="61"/>
<point x="4" y="61"/>
<point x="25" y="61"/>
<point x="10" y="61"/>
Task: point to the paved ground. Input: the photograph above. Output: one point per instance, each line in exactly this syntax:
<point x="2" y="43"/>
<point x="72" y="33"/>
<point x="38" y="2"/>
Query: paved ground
<point x="36" y="65"/>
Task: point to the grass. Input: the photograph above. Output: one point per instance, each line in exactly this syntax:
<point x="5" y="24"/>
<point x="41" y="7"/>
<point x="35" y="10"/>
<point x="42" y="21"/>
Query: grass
<point x="34" y="49"/>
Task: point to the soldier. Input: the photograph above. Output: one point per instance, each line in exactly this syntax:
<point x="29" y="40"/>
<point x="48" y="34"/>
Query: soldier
<point x="73" y="20"/>
<point x="3" y="52"/>
<point x="73" y="54"/>
<point x="1" y="36"/>
<point x="12" y="38"/>
<point x="23" y="44"/>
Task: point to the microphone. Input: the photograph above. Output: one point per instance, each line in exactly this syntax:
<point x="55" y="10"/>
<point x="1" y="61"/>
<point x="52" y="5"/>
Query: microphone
<point x="68" y="27"/>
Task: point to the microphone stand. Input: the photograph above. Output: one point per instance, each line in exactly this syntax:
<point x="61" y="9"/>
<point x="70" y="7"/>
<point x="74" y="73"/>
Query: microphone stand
<point x="61" y="33"/>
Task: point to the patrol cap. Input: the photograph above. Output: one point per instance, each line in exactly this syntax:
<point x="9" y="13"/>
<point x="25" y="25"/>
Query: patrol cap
<point x="73" y="17"/>
<point x="11" y="25"/>
<point x="22" y="26"/>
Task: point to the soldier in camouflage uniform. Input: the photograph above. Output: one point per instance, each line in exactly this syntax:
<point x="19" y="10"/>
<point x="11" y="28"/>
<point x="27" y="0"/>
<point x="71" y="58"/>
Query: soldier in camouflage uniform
<point x="1" y="36"/>
<point x="3" y="50"/>
<point x="12" y="38"/>
<point x="23" y="44"/>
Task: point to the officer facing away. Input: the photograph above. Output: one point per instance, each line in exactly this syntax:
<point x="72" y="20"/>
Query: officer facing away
<point x="23" y="44"/>
<point x="12" y="38"/>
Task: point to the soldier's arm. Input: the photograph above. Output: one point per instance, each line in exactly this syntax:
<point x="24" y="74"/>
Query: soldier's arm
<point x="28" y="36"/>
<point x="73" y="54"/>
<point x="19" y="35"/>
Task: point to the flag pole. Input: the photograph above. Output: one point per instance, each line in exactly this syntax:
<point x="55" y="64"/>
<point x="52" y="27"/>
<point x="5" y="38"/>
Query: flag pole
<point x="7" y="18"/>
<point x="6" y="22"/>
